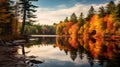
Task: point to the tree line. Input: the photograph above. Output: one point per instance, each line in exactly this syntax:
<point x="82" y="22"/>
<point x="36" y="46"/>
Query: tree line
<point x="39" y="29"/>
<point x="105" y="21"/>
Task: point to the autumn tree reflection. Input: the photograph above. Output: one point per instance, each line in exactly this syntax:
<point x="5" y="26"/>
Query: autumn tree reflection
<point x="105" y="52"/>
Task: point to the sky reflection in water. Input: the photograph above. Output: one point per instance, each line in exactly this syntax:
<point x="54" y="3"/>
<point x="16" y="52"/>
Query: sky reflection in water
<point x="55" y="58"/>
<point x="66" y="52"/>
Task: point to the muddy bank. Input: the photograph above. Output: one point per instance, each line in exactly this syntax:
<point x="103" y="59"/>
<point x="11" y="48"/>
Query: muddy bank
<point x="9" y="57"/>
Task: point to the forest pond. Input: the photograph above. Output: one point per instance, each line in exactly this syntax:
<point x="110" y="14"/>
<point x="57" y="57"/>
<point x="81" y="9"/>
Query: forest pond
<point x="68" y="52"/>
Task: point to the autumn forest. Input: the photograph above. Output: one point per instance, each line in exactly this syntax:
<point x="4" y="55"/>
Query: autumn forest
<point x="100" y="23"/>
<point x="95" y="34"/>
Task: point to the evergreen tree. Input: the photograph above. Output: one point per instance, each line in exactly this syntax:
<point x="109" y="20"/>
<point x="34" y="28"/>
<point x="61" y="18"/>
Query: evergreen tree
<point x="101" y="12"/>
<point x="117" y="11"/>
<point x="30" y="10"/>
<point x="81" y="19"/>
<point x="110" y="7"/>
<point x="91" y="12"/>
<point x="27" y="10"/>
<point x="73" y="18"/>
<point x="66" y="19"/>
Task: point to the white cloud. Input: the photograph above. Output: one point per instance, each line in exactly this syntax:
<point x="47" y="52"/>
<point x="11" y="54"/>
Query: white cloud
<point x="50" y="15"/>
<point x="62" y="6"/>
<point x="117" y="1"/>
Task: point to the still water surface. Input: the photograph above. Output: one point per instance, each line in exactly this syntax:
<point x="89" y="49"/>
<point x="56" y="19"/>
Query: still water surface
<point x="68" y="52"/>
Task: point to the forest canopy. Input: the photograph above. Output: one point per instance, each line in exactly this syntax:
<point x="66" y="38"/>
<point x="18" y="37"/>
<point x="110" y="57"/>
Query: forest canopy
<point x="100" y="22"/>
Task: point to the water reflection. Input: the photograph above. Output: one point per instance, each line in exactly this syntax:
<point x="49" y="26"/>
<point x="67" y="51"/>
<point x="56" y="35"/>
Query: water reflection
<point x="96" y="49"/>
<point x="97" y="52"/>
<point x="41" y="41"/>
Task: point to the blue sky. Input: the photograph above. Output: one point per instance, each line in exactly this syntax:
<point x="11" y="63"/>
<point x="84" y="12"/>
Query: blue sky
<point x="53" y="11"/>
<point x="68" y="3"/>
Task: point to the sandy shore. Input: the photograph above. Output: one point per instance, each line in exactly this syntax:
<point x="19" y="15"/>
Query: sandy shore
<point x="9" y="57"/>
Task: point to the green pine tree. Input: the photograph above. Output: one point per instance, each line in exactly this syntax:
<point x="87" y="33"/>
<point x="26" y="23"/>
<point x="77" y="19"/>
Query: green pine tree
<point x="81" y="20"/>
<point x="66" y="19"/>
<point x="28" y="13"/>
<point x="101" y="12"/>
<point x="73" y="18"/>
<point x="110" y="7"/>
<point x="91" y="12"/>
<point x="117" y="11"/>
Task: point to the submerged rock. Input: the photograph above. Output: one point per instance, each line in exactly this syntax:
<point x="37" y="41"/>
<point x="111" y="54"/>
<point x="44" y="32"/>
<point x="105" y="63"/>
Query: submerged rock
<point x="36" y="61"/>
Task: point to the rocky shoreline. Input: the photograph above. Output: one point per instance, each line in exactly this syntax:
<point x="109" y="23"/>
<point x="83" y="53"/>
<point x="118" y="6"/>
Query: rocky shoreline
<point x="9" y="57"/>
